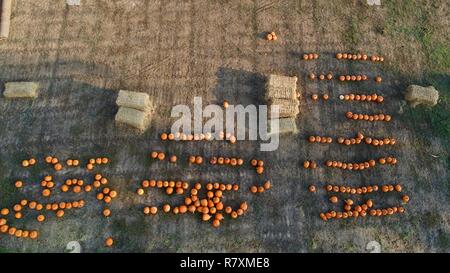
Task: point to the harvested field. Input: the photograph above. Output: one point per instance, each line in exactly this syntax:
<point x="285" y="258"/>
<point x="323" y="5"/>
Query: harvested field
<point x="175" y="50"/>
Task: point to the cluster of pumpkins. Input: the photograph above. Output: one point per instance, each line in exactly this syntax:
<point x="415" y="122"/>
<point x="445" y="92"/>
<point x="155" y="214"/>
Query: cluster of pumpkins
<point x="369" y="98"/>
<point x="233" y="161"/>
<point x="260" y="189"/>
<point x="258" y="165"/>
<point x="315" y="97"/>
<point x="48" y="184"/>
<point x="352" y="210"/>
<point x="272" y="36"/>
<point x="96" y="161"/>
<point x="388" y="160"/>
<point x="319" y="139"/>
<point x="171" y="186"/>
<point x="195" y="159"/>
<point x="72" y="162"/>
<point x="210" y="207"/>
<point x="359" y="57"/>
<point x="310" y="164"/>
<point x="310" y="56"/>
<point x="159" y="155"/>
<point x="77" y="185"/>
<point x="353" y="78"/>
<point x="361" y="211"/>
<point x="379" y="117"/>
<point x="28" y="162"/>
<point x="199" y="137"/>
<point x="54" y="161"/>
<point x="321" y="77"/>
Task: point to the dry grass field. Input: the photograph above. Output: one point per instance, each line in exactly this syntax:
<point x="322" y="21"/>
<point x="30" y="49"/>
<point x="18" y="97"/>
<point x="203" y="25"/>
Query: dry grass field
<point x="175" y="50"/>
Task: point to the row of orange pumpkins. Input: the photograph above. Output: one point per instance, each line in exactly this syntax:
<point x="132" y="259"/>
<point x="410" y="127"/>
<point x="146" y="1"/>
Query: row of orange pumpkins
<point x="197" y="137"/>
<point x="363" y="97"/>
<point x="260" y="189"/>
<point x="16" y="232"/>
<point x="359" y="57"/>
<point x="310" y="56"/>
<point x="233" y="161"/>
<point x="373" y="212"/>
<point x="366" y="117"/>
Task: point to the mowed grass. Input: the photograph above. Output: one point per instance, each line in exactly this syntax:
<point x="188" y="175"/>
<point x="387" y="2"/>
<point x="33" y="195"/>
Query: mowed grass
<point x="418" y="22"/>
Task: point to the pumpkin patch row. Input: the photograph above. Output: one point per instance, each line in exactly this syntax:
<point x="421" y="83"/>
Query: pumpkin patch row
<point x="320" y="139"/>
<point x="170" y="186"/>
<point x="367" y="140"/>
<point x="16" y="232"/>
<point x="260" y="189"/>
<point x="373" y="212"/>
<point x="353" y="78"/>
<point x="359" y="57"/>
<point x="198" y="137"/>
<point x="310" y="56"/>
<point x="362" y="190"/>
<point x="366" y="117"/>
<point x="321" y="77"/>
<point x="233" y="161"/>
<point x="363" y="97"/>
<point x="359" y="166"/>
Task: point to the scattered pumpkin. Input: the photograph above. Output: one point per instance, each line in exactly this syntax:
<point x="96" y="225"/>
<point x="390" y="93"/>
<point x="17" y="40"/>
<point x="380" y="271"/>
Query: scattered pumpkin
<point x="109" y="242"/>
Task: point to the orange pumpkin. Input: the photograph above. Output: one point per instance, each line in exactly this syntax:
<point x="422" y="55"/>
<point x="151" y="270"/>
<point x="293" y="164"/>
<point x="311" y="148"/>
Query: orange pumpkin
<point x="109" y="242"/>
<point x="166" y="208"/>
<point x="259" y="170"/>
<point x="106" y="212"/>
<point x="333" y="199"/>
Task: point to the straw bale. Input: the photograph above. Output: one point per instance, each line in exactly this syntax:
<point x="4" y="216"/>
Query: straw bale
<point x="416" y="95"/>
<point x="132" y="117"/>
<point x="287" y="108"/>
<point x="5" y="19"/>
<point x="135" y="100"/>
<point x="21" y="90"/>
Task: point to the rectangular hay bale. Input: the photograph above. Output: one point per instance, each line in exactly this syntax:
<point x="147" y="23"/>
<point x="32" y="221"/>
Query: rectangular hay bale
<point x="282" y="81"/>
<point x="5" y="19"/>
<point x="132" y="117"/>
<point x="274" y="92"/>
<point x="135" y="100"/>
<point x="285" y="126"/>
<point x="21" y="90"/>
<point x="287" y="108"/>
